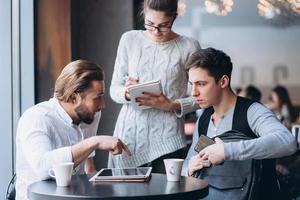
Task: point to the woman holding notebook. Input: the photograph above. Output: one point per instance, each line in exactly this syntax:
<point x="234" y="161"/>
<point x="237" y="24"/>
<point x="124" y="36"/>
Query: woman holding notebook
<point x="156" y="53"/>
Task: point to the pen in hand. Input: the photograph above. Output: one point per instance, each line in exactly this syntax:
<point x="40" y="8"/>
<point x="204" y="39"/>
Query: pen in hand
<point x="129" y="80"/>
<point x="125" y="78"/>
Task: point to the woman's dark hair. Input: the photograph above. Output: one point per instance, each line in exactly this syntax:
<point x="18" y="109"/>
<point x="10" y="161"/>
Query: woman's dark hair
<point x="216" y="62"/>
<point x="253" y="93"/>
<point x="284" y="98"/>
<point x="169" y="7"/>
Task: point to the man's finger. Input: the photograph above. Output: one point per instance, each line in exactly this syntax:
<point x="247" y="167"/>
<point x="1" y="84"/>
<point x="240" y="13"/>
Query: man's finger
<point x="201" y="153"/>
<point x="126" y="149"/>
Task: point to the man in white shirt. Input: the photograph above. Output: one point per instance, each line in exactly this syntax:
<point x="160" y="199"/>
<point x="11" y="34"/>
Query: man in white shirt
<point x="64" y="128"/>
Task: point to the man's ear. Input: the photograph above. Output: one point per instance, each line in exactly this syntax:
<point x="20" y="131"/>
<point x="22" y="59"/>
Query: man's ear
<point x="224" y="81"/>
<point x="73" y="98"/>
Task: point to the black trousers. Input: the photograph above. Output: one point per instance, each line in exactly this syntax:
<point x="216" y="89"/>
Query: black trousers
<point x="158" y="164"/>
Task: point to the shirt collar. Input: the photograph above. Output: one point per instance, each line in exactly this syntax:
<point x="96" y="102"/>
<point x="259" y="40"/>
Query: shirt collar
<point x="62" y="113"/>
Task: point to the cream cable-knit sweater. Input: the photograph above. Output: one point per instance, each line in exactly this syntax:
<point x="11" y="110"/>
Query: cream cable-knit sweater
<point x="150" y="133"/>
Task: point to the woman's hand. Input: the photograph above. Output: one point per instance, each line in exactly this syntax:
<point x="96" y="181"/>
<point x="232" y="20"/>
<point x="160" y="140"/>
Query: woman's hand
<point x="159" y="101"/>
<point x="129" y="81"/>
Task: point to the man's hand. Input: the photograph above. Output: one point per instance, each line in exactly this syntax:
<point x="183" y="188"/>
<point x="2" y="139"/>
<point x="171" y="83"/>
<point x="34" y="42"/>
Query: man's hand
<point x="214" y="153"/>
<point x="113" y="144"/>
<point x="197" y="162"/>
<point x="83" y="149"/>
<point x="159" y="101"/>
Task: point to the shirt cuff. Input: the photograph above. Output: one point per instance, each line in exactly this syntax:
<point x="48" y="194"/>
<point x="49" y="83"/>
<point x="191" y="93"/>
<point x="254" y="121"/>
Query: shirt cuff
<point x="92" y="154"/>
<point x="228" y="151"/>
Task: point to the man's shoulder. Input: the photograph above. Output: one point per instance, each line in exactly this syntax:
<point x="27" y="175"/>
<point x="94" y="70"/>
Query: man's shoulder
<point x="258" y="108"/>
<point x="259" y="113"/>
<point x="39" y="110"/>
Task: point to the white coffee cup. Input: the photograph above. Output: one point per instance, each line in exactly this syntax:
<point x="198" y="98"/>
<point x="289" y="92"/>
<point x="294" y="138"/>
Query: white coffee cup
<point x="62" y="172"/>
<point x="173" y="168"/>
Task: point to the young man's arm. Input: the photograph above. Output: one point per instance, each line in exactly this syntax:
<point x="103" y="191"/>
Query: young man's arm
<point x="274" y="139"/>
<point x="193" y="161"/>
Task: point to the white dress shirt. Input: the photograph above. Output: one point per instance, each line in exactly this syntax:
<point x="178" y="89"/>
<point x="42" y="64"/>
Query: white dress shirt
<point x="45" y="135"/>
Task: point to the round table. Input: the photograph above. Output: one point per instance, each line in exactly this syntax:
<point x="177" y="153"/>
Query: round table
<point x="156" y="188"/>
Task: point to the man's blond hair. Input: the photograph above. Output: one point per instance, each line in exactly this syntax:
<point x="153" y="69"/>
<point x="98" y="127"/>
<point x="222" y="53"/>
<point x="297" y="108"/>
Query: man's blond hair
<point x="76" y="77"/>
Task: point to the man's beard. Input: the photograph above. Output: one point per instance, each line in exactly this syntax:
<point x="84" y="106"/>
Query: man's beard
<point x="83" y="114"/>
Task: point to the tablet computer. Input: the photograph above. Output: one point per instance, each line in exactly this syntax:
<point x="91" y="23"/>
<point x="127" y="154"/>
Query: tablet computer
<point x="123" y="174"/>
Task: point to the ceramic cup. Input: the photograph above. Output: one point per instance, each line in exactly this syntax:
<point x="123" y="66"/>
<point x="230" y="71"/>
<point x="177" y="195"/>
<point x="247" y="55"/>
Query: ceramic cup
<point x="62" y="172"/>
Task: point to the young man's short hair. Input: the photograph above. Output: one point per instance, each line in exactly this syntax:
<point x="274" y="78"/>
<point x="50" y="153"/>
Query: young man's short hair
<point x="216" y="62"/>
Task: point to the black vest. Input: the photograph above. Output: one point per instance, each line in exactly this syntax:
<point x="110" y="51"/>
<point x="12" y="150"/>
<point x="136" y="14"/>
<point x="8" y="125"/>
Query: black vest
<point x="268" y="185"/>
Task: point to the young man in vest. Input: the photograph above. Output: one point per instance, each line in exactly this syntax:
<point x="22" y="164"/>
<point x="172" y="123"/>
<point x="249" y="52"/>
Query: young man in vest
<point x="210" y="74"/>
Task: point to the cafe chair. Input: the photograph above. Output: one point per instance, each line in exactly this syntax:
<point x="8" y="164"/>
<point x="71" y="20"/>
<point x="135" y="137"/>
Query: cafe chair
<point x="295" y="132"/>
<point x="11" y="190"/>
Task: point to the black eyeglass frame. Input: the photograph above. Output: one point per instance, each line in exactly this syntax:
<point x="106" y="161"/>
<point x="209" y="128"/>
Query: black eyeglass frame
<point x="158" y="28"/>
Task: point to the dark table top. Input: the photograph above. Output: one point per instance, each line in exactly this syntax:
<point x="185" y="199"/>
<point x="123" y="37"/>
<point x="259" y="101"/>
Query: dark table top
<point x="156" y="188"/>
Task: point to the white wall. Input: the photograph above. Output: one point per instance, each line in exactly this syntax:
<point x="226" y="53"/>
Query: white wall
<point x="251" y="41"/>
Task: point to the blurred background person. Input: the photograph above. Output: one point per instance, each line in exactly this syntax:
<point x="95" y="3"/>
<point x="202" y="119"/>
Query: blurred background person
<point x="237" y="90"/>
<point x="251" y="92"/>
<point x="280" y="103"/>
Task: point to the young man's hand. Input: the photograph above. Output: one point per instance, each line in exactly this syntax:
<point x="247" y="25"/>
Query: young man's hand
<point x="197" y="162"/>
<point x="214" y="153"/>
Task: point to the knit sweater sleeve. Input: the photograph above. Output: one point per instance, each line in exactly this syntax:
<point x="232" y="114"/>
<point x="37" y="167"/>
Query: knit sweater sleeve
<point x="188" y="104"/>
<point x="117" y="88"/>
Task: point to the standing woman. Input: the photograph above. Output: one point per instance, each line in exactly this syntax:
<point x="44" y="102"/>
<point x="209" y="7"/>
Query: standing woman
<point x="144" y="55"/>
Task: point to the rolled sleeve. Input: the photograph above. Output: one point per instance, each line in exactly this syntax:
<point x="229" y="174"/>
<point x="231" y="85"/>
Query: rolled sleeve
<point x="41" y="157"/>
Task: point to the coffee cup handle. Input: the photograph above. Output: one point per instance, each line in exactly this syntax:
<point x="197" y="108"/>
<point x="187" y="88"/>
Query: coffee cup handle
<point x="171" y="170"/>
<point x="51" y="173"/>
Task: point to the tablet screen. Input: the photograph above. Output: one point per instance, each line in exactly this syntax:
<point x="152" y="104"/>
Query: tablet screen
<point x="124" y="173"/>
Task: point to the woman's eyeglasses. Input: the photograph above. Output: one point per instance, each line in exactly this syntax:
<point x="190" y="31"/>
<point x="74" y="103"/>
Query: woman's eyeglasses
<point x="158" y="28"/>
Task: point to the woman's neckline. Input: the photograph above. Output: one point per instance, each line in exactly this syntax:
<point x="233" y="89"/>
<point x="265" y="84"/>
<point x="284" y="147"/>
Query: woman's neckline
<point x="156" y="42"/>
